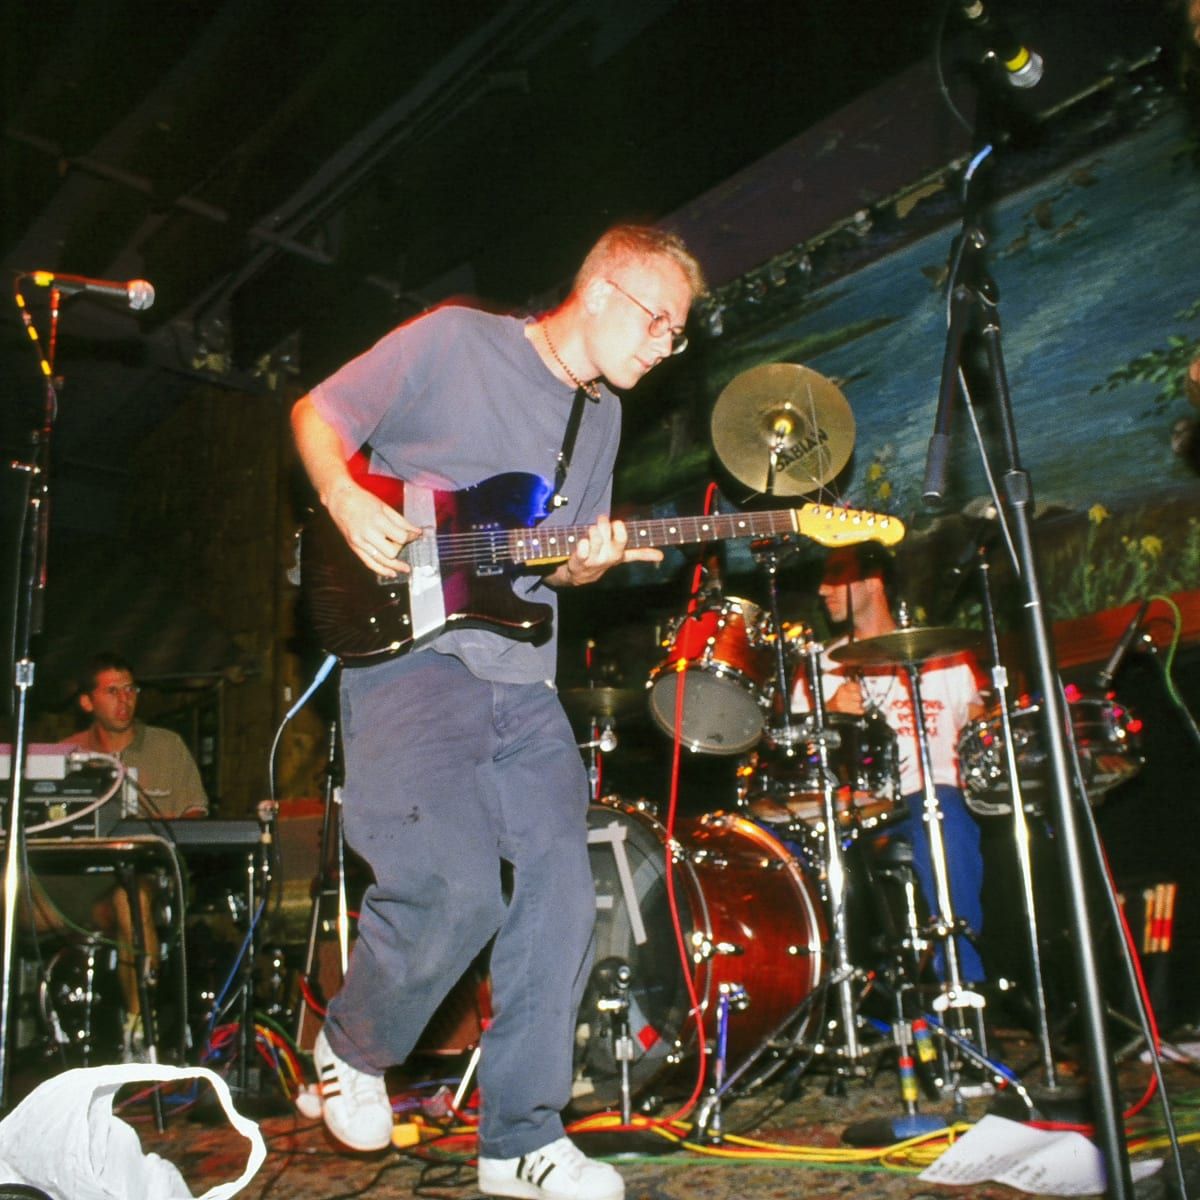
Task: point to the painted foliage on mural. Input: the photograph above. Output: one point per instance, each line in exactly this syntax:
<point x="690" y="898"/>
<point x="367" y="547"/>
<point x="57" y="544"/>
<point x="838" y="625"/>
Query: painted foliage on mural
<point x="1098" y="271"/>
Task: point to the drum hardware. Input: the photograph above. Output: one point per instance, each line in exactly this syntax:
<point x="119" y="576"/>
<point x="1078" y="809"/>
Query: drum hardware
<point x="598" y="710"/>
<point x="617" y="1008"/>
<point x="908" y="647"/>
<point x="835" y="878"/>
<point x="731" y="996"/>
<point x="782" y="429"/>
<point x="1020" y="827"/>
<point x="704" y="949"/>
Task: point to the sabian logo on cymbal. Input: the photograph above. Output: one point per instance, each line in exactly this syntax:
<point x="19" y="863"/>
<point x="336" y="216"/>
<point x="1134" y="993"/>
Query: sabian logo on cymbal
<point x="802" y="448"/>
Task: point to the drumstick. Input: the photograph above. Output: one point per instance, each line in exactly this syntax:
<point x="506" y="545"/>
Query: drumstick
<point x="1169" y="916"/>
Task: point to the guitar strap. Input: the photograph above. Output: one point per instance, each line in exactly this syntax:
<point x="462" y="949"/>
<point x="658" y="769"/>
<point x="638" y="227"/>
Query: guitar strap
<point x="568" y="447"/>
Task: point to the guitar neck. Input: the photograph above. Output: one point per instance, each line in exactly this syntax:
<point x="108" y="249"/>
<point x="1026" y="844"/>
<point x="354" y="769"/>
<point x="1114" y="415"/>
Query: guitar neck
<point x="823" y="523"/>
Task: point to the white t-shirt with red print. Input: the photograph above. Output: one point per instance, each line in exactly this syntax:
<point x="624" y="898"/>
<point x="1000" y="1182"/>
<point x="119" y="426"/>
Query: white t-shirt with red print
<point x="949" y="688"/>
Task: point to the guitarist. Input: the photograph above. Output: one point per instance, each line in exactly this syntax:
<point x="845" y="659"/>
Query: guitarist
<point x="459" y="757"/>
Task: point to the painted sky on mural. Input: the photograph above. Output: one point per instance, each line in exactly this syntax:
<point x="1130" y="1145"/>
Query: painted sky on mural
<point x="1095" y="265"/>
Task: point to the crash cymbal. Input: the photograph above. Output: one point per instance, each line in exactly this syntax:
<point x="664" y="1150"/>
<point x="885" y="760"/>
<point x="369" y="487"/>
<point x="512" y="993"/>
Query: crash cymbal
<point x="603" y="703"/>
<point x="791" y="409"/>
<point x="912" y="645"/>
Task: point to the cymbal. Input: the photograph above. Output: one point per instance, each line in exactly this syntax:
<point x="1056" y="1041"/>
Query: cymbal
<point x="603" y="703"/>
<point x="790" y="409"/>
<point x="912" y="645"/>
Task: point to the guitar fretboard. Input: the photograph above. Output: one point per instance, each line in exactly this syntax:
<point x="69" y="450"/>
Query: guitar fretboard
<point x="533" y="545"/>
<point x="541" y="544"/>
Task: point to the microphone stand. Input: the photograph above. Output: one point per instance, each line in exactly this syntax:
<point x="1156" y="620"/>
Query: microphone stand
<point x="28" y="619"/>
<point x="1018" y="500"/>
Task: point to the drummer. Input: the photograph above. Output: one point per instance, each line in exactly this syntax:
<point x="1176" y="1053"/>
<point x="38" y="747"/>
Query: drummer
<point x="855" y="589"/>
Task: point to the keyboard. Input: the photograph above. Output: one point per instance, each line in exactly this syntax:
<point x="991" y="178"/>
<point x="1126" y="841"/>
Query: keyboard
<point x="202" y="834"/>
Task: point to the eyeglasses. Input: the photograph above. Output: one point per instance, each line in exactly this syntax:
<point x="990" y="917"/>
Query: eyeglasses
<point x="660" y="323"/>
<point x="119" y="689"/>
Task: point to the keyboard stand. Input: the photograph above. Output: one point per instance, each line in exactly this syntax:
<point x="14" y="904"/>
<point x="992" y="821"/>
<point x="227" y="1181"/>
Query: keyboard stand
<point x="127" y="858"/>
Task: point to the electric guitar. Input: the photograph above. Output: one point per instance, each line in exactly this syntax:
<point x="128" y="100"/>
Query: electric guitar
<point x="472" y="544"/>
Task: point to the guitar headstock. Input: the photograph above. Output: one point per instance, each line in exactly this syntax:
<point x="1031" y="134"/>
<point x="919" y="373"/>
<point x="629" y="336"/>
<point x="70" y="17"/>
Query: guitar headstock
<point x="847" y="526"/>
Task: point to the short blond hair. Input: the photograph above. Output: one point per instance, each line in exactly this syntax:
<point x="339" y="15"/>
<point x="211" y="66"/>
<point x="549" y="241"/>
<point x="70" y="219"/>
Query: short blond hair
<point x="623" y="244"/>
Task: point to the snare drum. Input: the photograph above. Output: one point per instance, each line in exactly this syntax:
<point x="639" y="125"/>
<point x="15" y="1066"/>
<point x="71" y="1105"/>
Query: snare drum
<point x="781" y="784"/>
<point x="1105" y="733"/>
<point x="749" y="915"/>
<point x="721" y="656"/>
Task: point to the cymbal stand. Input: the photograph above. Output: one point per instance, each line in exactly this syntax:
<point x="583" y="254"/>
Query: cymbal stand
<point x="953" y="996"/>
<point x="767" y="554"/>
<point x="1020" y="827"/>
<point x="602" y="740"/>
<point x="843" y="970"/>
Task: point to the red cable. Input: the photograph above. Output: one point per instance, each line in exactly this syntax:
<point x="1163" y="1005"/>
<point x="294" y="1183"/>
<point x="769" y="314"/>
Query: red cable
<point x="1151" y="1020"/>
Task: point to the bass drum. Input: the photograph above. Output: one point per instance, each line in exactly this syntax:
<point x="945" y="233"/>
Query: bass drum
<point x="749" y="917"/>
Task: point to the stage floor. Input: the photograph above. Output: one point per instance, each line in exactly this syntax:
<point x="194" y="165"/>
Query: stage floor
<point x="802" y="1126"/>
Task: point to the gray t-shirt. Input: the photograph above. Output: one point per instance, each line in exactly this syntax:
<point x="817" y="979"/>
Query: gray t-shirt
<point x="458" y="396"/>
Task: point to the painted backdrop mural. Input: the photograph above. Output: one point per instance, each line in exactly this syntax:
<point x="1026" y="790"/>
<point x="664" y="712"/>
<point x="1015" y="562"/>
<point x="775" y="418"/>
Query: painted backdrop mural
<point x="1098" y="269"/>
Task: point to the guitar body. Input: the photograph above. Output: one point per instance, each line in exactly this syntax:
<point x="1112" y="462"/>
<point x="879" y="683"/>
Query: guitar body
<point x="363" y="618"/>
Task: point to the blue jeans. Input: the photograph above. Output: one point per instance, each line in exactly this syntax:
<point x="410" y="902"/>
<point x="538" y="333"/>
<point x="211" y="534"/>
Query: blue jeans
<point x="448" y="776"/>
<point x="964" y="867"/>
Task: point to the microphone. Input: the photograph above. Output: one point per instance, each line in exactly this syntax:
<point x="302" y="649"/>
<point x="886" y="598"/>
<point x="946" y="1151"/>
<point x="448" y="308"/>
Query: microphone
<point x="137" y="293"/>
<point x="1105" y="677"/>
<point x="1023" y="67"/>
<point x="934" y="490"/>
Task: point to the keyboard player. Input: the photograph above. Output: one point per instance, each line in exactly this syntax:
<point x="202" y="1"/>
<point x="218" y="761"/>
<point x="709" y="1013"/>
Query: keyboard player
<point x="168" y="788"/>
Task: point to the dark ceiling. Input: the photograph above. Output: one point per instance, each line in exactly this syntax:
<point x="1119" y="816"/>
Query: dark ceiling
<point x="296" y="177"/>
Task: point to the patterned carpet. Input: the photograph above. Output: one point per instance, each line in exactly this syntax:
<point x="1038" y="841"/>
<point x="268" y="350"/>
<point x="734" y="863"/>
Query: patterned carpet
<point x="806" y="1124"/>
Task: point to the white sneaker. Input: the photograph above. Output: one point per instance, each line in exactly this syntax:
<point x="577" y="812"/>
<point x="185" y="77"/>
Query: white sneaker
<point x="559" y="1171"/>
<point x="355" y="1105"/>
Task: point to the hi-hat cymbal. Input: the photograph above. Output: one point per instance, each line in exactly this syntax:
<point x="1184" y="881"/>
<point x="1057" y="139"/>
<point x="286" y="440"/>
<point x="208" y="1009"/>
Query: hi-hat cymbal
<point x="603" y="703"/>
<point x="912" y="645"/>
<point x="790" y="409"/>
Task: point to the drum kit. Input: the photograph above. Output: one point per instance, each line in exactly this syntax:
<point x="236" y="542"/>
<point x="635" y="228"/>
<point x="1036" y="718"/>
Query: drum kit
<point x="730" y="932"/>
